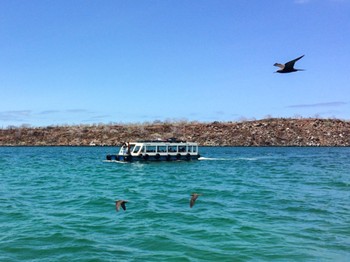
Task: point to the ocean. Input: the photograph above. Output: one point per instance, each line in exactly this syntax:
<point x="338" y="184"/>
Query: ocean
<point x="257" y="204"/>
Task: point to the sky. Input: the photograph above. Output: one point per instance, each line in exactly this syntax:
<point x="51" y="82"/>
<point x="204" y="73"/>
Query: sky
<point x="115" y="61"/>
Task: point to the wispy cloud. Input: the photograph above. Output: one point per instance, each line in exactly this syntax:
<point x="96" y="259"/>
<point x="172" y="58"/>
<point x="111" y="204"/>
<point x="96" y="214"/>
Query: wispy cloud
<point x="327" y="104"/>
<point x="96" y="118"/>
<point x="71" y="111"/>
<point x="48" y="112"/>
<point x="48" y="116"/>
<point x="16" y="115"/>
<point x="77" y="111"/>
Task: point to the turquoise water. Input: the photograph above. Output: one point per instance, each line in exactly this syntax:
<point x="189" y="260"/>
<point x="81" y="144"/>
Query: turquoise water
<point x="258" y="204"/>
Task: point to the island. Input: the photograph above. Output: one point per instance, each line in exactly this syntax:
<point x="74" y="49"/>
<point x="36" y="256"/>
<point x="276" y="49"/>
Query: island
<point x="265" y="132"/>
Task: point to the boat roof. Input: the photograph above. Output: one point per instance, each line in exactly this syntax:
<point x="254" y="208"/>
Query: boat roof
<point x="171" y="140"/>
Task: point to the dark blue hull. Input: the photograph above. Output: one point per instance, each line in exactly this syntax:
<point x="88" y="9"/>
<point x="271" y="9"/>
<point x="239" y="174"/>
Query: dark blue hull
<point x="153" y="158"/>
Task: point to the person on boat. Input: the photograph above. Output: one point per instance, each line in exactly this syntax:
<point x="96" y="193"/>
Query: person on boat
<point x="128" y="152"/>
<point x="124" y="147"/>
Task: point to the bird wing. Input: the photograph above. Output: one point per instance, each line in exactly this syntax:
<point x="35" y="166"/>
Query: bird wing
<point x="117" y="205"/>
<point x="279" y="65"/>
<point x="290" y="64"/>
<point x="192" y="202"/>
<point x="193" y="199"/>
<point x="120" y="203"/>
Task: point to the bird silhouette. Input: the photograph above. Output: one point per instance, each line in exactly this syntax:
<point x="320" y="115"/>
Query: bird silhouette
<point x="120" y="203"/>
<point x="193" y="199"/>
<point x="288" y="67"/>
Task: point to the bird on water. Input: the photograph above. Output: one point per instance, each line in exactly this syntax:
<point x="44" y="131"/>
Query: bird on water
<point x="193" y="199"/>
<point x="288" y="67"/>
<point x="120" y="203"/>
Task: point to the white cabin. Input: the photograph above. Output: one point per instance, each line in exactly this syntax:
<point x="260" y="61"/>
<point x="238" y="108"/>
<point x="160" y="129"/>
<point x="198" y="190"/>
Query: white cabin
<point x="158" y="150"/>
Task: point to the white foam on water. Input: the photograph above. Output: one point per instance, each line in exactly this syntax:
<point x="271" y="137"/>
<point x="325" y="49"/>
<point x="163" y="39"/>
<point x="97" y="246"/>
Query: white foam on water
<point x="228" y="159"/>
<point x="114" y="161"/>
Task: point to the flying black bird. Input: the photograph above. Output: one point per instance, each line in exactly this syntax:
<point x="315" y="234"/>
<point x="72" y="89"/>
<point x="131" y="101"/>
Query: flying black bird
<point x="288" y="67"/>
<point x="120" y="203"/>
<point x="193" y="199"/>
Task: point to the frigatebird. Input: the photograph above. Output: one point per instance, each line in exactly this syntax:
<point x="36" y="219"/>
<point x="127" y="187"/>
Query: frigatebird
<point x="288" y="67"/>
<point x="120" y="203"/>
<point x="193" y="199"/>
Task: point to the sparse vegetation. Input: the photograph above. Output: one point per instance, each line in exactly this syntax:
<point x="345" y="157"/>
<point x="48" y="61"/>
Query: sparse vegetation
<point x="267" y="132"/>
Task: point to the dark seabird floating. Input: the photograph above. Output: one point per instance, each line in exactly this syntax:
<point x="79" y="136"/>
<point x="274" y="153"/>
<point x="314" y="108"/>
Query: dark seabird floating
<point x="288" y="67"/>
<point x="120" y="203"/>
<point x="193" y="199"/>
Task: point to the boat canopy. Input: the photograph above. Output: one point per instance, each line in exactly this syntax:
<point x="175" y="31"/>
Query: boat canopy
<point x="158" y="147"/>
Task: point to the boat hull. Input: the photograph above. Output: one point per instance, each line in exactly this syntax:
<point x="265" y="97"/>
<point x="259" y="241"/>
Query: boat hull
<point x="152" y="158"/>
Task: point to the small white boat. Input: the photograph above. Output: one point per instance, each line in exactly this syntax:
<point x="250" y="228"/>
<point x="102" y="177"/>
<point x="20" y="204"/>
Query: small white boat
<point x="158" y="150"/>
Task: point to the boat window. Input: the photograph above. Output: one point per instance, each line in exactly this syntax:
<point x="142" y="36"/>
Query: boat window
<point x="142" y="149"/>
<point x="132" y="148"/>
<point x="150" y="149"/>
<point x="161" y="149"/>
<point x="136" y="149"/>
<point x="194" y="149"/>
<point x="189" y="149"/>
<point x="182" y="148"/>
<point x="172" y="148"/>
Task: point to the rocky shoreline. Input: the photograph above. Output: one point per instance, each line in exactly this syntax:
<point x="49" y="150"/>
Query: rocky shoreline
<point x="266" y="132"/>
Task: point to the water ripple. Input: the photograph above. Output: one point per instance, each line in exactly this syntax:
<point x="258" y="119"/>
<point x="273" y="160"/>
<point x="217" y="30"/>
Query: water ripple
<point x="58" y="204"/>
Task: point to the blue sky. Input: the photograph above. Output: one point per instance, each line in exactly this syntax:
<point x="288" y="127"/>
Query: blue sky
<point x="86" y="62"/>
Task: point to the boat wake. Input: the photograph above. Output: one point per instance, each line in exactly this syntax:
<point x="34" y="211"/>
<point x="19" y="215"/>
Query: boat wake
<point x="228" y="159"/>
<point x="211" y="158"/>
<point x="115" y="161"/>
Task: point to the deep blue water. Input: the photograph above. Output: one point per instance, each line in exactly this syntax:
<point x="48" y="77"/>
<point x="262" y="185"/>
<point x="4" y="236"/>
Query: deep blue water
<point x="257" y="204"/>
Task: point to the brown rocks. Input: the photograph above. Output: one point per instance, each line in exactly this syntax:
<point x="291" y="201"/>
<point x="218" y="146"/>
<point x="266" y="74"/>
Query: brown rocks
<point x="267" y="132"/>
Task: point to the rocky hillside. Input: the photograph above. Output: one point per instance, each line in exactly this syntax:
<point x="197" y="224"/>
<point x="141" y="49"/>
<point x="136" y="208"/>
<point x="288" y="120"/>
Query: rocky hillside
<point x="267" y="132"/>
